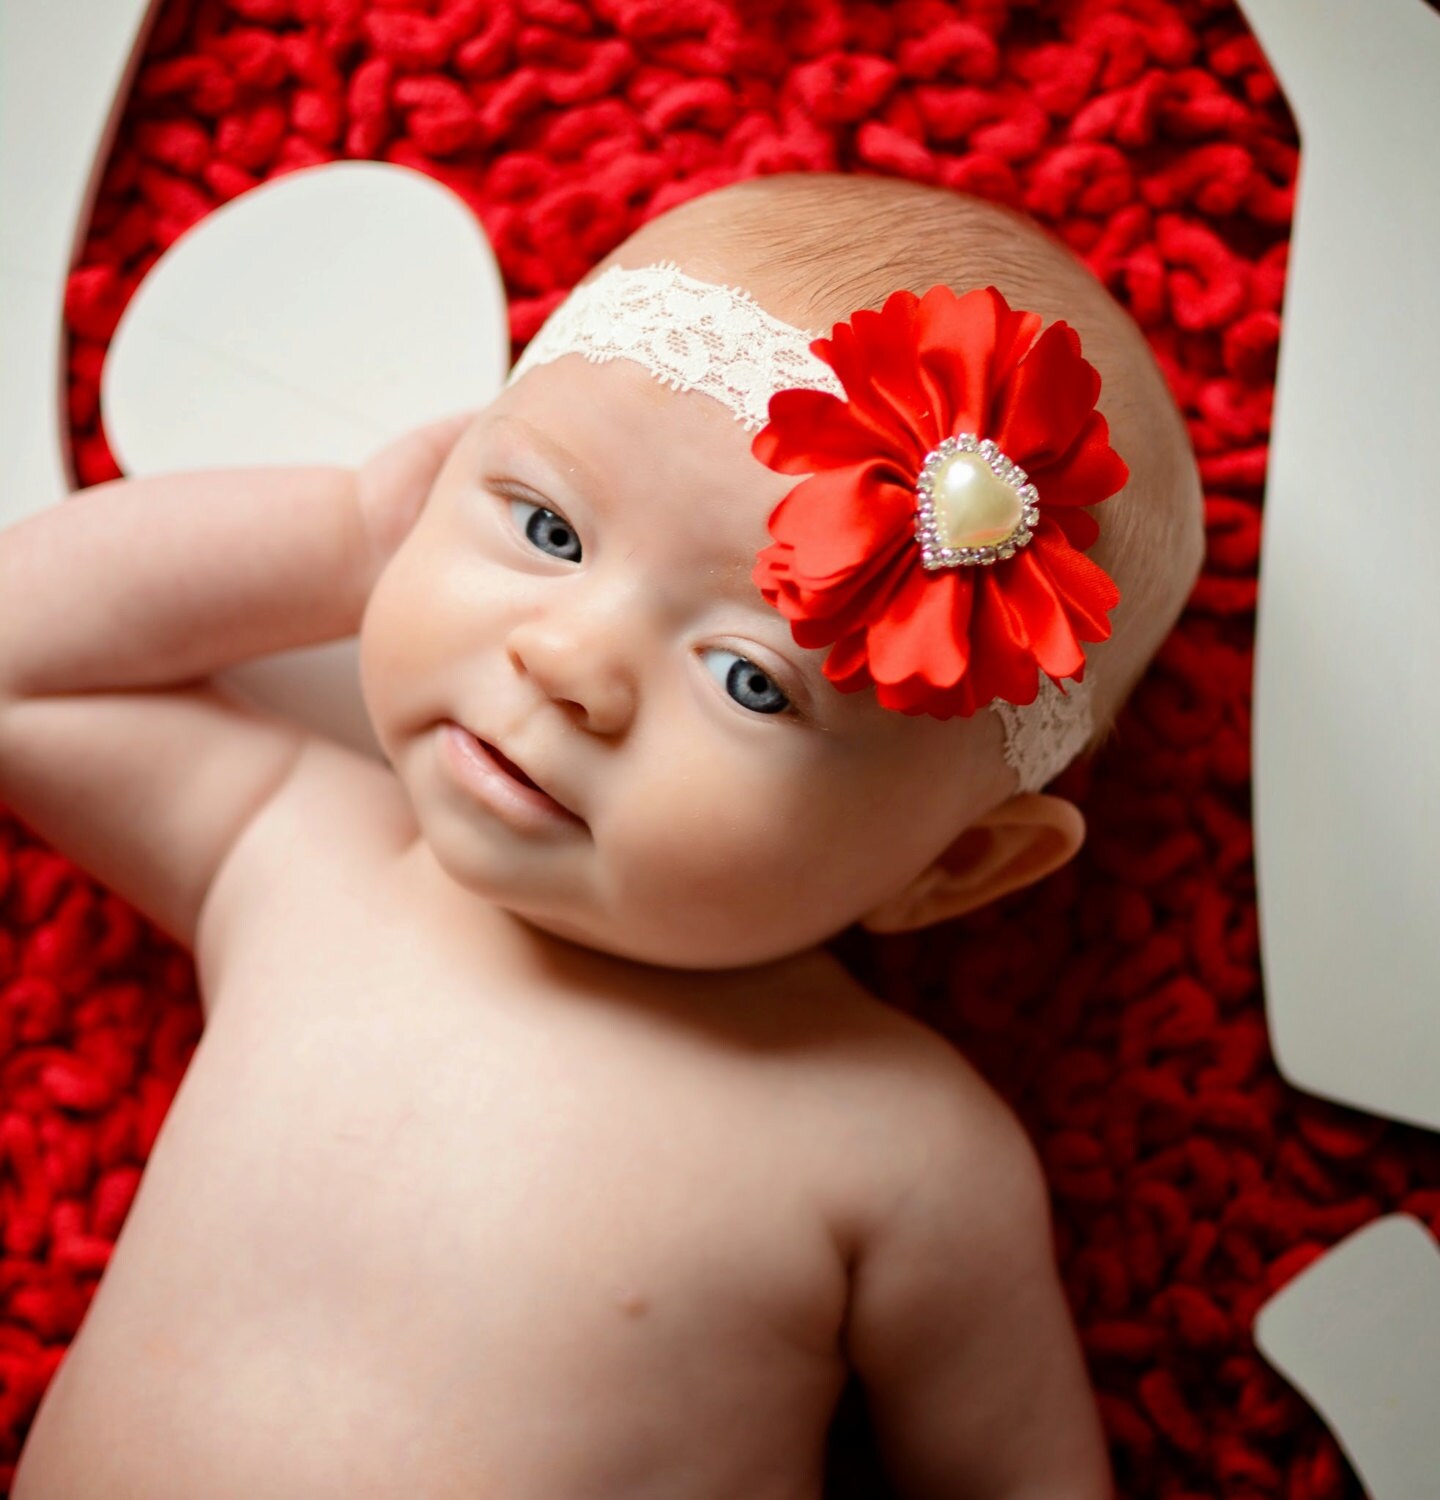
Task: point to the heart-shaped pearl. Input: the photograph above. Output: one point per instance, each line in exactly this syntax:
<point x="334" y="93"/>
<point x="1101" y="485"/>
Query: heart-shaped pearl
<point x="973" y="506"/>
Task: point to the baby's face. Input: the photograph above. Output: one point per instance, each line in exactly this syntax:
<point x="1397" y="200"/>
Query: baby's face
<point x="577" y="595"/>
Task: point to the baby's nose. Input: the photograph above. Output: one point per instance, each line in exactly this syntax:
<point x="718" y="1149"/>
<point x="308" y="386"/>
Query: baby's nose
<point x="578" y="659"/>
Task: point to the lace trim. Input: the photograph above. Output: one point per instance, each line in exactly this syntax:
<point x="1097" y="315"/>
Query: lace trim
<point x="1043" y="737"/>
<point x="698" y="336"/>
<point x="691" y="335"/>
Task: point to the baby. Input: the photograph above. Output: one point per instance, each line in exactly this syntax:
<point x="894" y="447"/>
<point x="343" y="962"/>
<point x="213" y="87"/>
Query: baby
<point x="533" y="1147"/>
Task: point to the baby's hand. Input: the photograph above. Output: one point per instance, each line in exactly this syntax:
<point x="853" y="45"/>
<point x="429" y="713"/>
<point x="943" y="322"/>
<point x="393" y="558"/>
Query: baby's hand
<point x="393" y="483"/>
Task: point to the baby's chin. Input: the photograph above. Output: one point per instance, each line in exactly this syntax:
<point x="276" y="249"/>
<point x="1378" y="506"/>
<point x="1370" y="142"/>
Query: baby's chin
<point x="560" y="903"/>
<point x="657" y="945"/>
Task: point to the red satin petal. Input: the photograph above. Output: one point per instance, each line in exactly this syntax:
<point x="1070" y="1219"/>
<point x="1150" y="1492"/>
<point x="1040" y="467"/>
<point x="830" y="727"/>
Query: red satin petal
<point x="1002" y="667"/>
<point x="864" y="597"/>
<point x="893" y="373"/>
<point x="913" y="696"/>
<point x="822" y="615"/>
<point x="814" y="631"/>
<point x="1038" y="615"/>
<point x="967" y="347"/>
<point x="1046" y="401"/>
<point x="838" y="518"/>
<point x="918" y="697"/>
<point x="1090" y="472"/>
<point x="848" y="665"/>
<point x="1078" y="527"/>
<point x="1015" y="332"/>
<point x="810" y="625"/>
<point x="771" y="575"/>
<point x="922" y="634"/>
<point x="1087" y="591"/>
<point x="810" y="430"/>
<point x="874" y="357"/>
<point x="959" y="701"/>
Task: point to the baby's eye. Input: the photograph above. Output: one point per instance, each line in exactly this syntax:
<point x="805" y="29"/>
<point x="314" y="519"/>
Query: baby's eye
<point x="744" y="681"/>
<point x="545" y="530"/>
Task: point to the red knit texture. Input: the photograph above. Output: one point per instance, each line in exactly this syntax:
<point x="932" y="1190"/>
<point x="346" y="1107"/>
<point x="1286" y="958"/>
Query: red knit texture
<point x="1118" y="1005"/>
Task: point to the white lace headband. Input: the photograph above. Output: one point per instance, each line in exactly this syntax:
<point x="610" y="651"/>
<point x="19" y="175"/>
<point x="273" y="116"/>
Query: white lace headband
<point x="698" y="336"/>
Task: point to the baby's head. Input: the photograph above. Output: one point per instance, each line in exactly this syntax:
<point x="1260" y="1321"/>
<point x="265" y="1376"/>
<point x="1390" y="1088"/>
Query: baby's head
<point x="579" y="594"/>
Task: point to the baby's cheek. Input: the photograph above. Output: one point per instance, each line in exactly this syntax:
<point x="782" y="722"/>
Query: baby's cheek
<point x="736" y="879"/>
<point x="387" y="640"/>
<point x="409" y="632"/>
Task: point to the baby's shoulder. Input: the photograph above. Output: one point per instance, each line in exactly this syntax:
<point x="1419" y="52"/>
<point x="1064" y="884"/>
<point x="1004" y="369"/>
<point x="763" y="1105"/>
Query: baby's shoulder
<point x="895" y="1051"/>
<point x="912" y="1114"/>
<point x="355" y="798"/>
<point x="339" y="816"/>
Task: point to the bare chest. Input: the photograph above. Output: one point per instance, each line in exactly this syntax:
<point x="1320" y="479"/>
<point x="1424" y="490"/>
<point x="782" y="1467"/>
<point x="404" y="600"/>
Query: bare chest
<point x="395" y="1197"/>
<point x="518" y="1152"/>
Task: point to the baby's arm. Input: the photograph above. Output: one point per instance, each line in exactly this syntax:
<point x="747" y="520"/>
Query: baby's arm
<point x="958" y="1324"/>
<point x="116" y="605"/>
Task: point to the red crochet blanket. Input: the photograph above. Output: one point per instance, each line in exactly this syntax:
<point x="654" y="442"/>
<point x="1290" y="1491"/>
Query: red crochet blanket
<point x="1118" y="1006"/>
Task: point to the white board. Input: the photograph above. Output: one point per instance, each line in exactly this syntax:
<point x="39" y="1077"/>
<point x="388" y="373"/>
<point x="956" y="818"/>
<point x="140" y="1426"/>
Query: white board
<point x="1358" y="1333"/>
<point x="305" y="322"/>
<point x="1347" y="712"/>
<point x="65" y="69"/>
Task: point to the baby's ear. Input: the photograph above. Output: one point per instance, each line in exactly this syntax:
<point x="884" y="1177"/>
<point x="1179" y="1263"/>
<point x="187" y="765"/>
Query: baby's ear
<point x="1013" y="846"/>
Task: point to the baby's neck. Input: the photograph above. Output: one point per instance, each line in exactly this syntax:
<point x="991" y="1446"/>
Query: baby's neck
<point x="560" y="970"/>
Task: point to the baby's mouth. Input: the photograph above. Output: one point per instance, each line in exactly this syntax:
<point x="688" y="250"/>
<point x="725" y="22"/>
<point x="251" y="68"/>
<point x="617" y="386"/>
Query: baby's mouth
<point x="484" y="764"/>
<point x="505" y="763"/>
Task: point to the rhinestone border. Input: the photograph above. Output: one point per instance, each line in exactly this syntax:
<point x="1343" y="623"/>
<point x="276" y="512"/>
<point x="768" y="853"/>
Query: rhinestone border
<point x="933" y="552"/>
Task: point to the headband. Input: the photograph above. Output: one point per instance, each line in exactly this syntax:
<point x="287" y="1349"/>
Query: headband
<point x="939" y="571"/>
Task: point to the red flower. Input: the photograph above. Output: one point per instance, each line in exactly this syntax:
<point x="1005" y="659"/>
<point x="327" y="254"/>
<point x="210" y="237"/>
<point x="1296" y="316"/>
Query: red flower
<point x="846" y="568"/>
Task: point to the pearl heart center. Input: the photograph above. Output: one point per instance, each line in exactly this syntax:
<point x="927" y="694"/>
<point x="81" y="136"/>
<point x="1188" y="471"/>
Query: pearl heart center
<point x="974" y="507"/>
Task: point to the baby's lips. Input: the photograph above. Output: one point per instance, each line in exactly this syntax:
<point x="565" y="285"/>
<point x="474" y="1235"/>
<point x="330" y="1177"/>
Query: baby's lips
<point x="515" y="769"/>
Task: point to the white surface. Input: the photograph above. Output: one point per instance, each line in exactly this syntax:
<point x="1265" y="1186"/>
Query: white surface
<point x="1347" y="699"/>
<point x="1358" y="1332"/>
<point x="64" y="67"/>
<point x="307" y="321"/>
